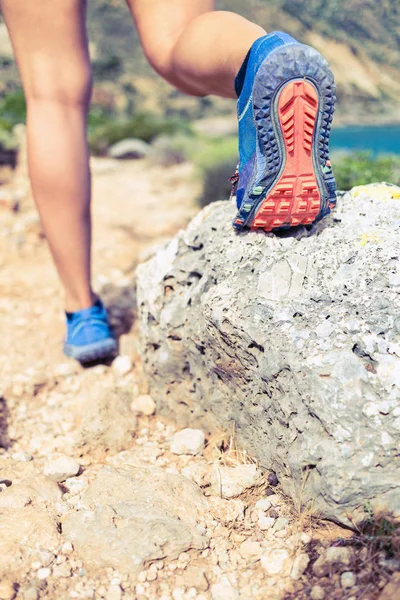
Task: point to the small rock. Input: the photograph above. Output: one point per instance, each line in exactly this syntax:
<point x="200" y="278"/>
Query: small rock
<point x="22" y="456"/>
<point x="281" y="523"/>
<point x="67" y="548"/>
<point x="30" y="593"/>
<point x="317" y="593"/>
<point x="276" y="561"/>
<point x="334" y="556"/>
<point x="46" y="558"/>
<point x="76" y="485"/>
<point x="188" y="441"/>
<point x="264" y="522"/>
<point x="392" y="589"/>
<point x="129" y="148"/>
<point x="122" y="365"/>
<point x="59" y="469"/>
<point x="300" y="564"/>
<point x="195" y="577"/>
<point x="263" y="504"/>
<point x="7" y="590"/>
<point x="114" y="593"/>
<point x="43" y="573"/>
<point x="226" y="511"/>
<point x="224" y="590"/>
<point x="348" y="579"/>
<point x="144" y="405"/>
<point x="229" y="482"/>
<point x="62" y="571"/>
<point x="272" y="479"/>
<point x="65" y="369"/>
<point x="199" y="473"/>
<point x="249" y="548"/>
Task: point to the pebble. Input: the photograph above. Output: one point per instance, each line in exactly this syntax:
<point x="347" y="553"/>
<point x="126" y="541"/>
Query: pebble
<point x="264" y="522"/>
<point x="22" y="456"/>
<point x="249" y="548"/>
<point x="281" y="523"/>
<point x="114" y="592"/>
<point x="61" y="468"/>
<point x="276" y="561"/>
<point x="61" y="571"/>
<point x="144" y="405"/>
<point x="224" y="590"/>
<point x="263" y="504"/>
<point x="275" y="499"/>
<point x="300" y="564"/>
<point x="188" y="441"/>
<point x="31" y="593"/>
<point x="122" y="365"/>
<point x="7" y="590"/>
<point x="317" y="593"/>
<point x="348" y="579"/>
<point x="43" y="573"/>
<point x="65" y="369"/>
<point x="46" y="558"/>
<point x="230" y="482"/>
<point x="67" y="548"/>
<point x="335" y="555"/>
<point x="76" y="485"/>
<point x="272" y="479"/>
<point x="195" y="577"/>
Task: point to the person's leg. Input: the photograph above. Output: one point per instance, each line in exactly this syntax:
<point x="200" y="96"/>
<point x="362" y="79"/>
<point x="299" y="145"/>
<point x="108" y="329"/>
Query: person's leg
<point x="285" y="106"/>
<point x="195" y="48"/>
<point x="49" y="41"/>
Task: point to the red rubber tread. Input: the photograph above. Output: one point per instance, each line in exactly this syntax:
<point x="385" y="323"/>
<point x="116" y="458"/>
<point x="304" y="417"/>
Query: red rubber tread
<point x="295" y="199"/>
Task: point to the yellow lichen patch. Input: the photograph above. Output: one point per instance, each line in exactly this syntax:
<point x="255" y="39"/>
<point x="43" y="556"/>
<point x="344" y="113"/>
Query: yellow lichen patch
<point x="369" y="238"/>
<point x="378" y="191"/>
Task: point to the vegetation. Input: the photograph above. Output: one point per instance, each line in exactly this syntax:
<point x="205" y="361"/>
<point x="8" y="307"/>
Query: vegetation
<point x="361" y="168"/>
<point x="105" y="129"/>
<point x="175" y="142"/>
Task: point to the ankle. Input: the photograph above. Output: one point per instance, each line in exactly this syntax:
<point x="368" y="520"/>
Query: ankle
<point x="74" y="303"/>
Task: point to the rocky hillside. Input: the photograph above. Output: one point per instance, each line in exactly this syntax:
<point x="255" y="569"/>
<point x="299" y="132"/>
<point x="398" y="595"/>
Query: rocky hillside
<point x="360" y="38"/>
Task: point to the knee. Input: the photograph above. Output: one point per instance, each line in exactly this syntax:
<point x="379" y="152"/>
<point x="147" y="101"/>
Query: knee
<point x="159" y="55"/>
<point x="67" y="86"/>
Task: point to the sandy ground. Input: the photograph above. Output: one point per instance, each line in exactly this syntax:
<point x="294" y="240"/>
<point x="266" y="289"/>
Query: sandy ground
<point x="255" y="549"/>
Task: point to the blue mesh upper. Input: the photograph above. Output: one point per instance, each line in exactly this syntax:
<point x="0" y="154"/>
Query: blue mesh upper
<point x="88" y="326"/>
<point x="247" y="128"/>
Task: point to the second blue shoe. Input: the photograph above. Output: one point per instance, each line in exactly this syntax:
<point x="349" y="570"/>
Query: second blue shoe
<point x="89" y="336"/>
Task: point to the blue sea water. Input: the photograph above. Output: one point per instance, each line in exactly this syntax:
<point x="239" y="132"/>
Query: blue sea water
<point x="378" y="140"/>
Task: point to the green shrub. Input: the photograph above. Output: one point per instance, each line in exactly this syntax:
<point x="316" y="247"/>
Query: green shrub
<point x="105" y="131"/>
<point x="108" y="67"/>
<point x="361" y="168"/>
<point x="12" y="110"/>
<point x="216" y="161"/>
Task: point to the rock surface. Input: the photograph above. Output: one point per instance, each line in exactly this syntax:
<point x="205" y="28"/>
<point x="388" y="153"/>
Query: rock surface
<point x="130" y="148"/>
<point x="294" y="338"/>
<point x="131" y="517"/>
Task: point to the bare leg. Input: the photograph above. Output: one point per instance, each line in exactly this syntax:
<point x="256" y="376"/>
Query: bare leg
<point x="50" y="45"/>
<point x="195" y="48"/>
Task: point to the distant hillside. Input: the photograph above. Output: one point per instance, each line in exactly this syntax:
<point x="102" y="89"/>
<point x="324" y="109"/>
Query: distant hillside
<point x="360" y="39"/>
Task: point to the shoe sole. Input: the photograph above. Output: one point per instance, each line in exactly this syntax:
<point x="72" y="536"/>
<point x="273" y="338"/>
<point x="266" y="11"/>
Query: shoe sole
<point x="92" y="352"/>
<point x="293" y="104"/>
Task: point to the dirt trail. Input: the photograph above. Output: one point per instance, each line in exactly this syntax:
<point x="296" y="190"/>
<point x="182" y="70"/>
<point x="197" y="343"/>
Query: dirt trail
<point x="257" y="546"/>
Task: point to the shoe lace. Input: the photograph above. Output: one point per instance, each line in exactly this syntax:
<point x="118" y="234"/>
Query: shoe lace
<point x="234" y="181"/>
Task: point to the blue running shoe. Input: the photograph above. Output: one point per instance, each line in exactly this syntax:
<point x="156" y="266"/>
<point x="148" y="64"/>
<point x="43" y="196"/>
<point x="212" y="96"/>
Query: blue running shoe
<point x="89" y="336"/>
<point x="285" y="111"/>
